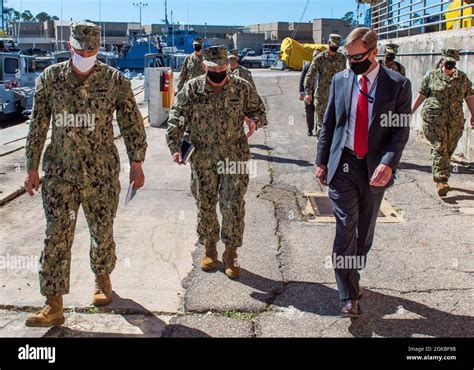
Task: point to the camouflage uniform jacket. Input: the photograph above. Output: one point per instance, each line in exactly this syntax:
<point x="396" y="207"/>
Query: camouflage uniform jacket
<point x="445" y="95"/>
<point x="242" y="72"/>
<point x="82" y="141"/>
<point x="394" y="66"/>
<point x="215" y="120"/>
<point x="191" y="69"/>
<point x="325" y="67"/>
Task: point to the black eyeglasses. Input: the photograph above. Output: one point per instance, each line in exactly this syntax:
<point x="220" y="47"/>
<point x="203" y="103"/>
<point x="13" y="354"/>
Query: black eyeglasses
<point x="358" y="57"/>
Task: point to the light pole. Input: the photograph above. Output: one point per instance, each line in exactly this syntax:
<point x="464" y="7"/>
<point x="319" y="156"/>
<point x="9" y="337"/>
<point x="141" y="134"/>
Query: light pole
<point x="140" y="5"/>
<point x="100" y="22"/>
<point x="3" y="28"/>
<point x="205" y="31"/>
<point x="172" y="30"/>
<point x="62" y="25"/>
<point x="102" y="28"/>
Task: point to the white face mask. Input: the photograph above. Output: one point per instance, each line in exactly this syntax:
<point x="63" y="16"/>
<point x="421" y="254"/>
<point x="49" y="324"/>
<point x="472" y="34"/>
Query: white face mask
<point x="84" y="65"/>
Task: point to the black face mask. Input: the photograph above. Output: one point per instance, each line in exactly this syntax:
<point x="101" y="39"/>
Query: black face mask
<point x="449" y="65"/>
<point x="197" y="48"/>
<point x="217" y="77"/>
<point x="360" y="67"/>
<point x="334" y="48"/>
<point x="390" y="57"/>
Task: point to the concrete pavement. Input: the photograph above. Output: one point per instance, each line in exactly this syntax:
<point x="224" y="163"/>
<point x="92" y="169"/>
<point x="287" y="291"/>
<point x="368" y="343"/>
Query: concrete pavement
<point x="419" y="279"/>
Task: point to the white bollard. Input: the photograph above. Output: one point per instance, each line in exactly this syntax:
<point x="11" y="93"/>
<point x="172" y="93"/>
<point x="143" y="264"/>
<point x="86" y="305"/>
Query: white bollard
<point x="157" y="114"/>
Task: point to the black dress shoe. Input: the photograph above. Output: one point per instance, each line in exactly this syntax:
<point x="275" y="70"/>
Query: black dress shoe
<point x="310" y="133"/>
<point x="351" y="308"/>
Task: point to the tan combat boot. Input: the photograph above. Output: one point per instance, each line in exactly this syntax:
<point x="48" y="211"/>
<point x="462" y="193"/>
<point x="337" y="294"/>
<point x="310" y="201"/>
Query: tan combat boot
<point x="230" y="259"/>
<point x="209" y="260"/>
<point x="51" y="314"/>
<point x="442" y="188"/>
<point x="103" y="290"/>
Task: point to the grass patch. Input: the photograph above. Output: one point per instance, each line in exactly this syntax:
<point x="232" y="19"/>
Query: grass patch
<point x="246" y="316"/>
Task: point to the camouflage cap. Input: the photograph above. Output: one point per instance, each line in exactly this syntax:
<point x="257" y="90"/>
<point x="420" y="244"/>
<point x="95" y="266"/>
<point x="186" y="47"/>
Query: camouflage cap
<point x="197" y="41"/>
<point x="391" y="48"/>
<point x="450" y="54"/>
<point x="215" y="56"/>
<point x="233" y="54"/>
<point x="334" y="39"/>
<point x="85" y="36"/>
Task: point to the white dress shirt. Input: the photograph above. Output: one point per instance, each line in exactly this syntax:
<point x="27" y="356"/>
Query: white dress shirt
<point x="355" y="98"/>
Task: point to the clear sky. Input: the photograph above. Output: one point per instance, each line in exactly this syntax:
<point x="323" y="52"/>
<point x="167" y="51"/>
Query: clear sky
<point x="228" y="12"/>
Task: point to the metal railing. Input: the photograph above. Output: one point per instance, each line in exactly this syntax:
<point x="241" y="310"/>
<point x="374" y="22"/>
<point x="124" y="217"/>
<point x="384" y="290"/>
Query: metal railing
<point x="397" y="18"/>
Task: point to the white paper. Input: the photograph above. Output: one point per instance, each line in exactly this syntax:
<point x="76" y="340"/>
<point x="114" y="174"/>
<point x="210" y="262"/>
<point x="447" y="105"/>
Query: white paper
<point x="130" y="193"/>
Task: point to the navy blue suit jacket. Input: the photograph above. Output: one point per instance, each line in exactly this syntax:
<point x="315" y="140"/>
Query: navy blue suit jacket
<point x="386" y="141"/>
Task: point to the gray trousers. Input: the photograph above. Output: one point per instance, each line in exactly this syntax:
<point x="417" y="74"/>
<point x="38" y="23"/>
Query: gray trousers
<point x="355" y="208"/>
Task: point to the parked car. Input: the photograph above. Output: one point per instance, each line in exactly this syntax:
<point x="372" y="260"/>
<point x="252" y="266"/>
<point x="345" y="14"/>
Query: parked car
<point x="247" y="52"/>
<point x="34" y="52"/>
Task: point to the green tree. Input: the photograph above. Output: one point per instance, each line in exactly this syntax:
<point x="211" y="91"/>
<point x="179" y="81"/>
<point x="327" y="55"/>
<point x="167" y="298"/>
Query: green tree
<point x="11" y="14"/>
<point x="16" y="16"/>
<point x="26" y="16"/>
<point x="43" y="17"/>
<point x="350" y="19"/>
<point x="7" y="12"/>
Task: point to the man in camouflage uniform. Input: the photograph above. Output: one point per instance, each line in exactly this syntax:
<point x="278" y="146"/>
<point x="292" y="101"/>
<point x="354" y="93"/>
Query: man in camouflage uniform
<point x="192" y="66"/>
<point x="444" y="89"/>
<point x="236" y="69"/>
<point x="324" y="67"/>
<point x="391" y="51"/>
<point x="211" y="110"/>
<point x="309" y="108"/>
<point x="81" y="164"/>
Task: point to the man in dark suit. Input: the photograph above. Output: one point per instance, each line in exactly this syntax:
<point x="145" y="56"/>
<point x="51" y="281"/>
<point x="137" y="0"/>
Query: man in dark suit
<point x="365" y="130"/>
<point x="310" y="109"/>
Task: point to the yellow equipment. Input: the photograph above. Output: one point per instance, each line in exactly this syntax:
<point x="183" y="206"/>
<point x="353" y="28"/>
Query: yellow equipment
<point x="453" y="14"/>
<point x="294" y="54"/>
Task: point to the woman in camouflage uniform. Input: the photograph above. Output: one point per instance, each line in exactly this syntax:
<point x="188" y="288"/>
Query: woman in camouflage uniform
<point x="444" y="90"/>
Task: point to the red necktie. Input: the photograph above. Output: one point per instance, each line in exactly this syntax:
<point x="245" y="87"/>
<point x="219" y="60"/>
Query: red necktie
<point x="362" y="121"/>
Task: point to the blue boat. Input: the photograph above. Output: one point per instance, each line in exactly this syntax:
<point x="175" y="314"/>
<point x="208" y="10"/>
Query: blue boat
<point x="181" y="40"/>
<point x="133" y="57"/>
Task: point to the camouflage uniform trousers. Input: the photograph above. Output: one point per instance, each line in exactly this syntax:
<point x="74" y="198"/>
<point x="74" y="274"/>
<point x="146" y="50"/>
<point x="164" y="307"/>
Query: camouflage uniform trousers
<point x="61" y="201"/>
<point x="325" y="67"/>
<point x="209" y="188"/>
<point x="443" y="134"/>
<point x="320" y="105"/>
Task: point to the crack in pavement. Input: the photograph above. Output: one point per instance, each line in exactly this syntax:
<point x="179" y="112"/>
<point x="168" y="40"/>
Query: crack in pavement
<point x="434" y="290"/>
<point x="91" y="310"/>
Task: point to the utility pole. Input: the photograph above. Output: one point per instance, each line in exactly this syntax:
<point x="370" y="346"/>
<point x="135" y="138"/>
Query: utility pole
<point x="140" y="5"/>
<point x="166" y="13"/>
<point x="102" y="28"/>
<point x="172" y="29"/>
<point x="100" y="22"/>
<point x="3" y="26"/>
<point x="357" y="14"/>
<point x="61" y="25"/>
